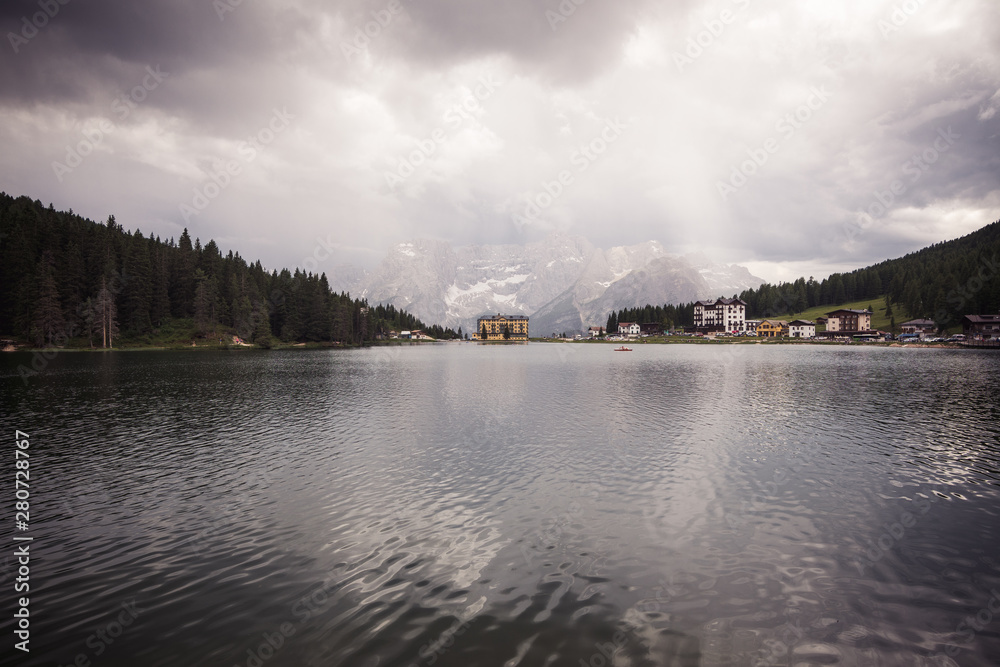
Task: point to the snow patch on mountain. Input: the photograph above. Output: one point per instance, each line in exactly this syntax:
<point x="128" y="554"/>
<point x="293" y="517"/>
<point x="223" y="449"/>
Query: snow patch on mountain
<point x="563" y="283"/>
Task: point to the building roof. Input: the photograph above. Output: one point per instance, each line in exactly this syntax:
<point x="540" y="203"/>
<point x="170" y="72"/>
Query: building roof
<point x="851" y="311"/>
<point x="803" y="323"/>
<point x="920" y="323"/>
<point x="980" y="319"/>
<point x="781" y="323"/>
<point x="498" y="316"/>
<point x="721" y="300"/>
<point x="625" y="324"/>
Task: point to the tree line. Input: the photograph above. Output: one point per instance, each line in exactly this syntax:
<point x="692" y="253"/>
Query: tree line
<point x="668" y="316"/>
<point x="67" y="278"/>
<point x="942" y="282"/>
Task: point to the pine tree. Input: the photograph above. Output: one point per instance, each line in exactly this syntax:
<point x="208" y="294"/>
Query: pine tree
<point x="91" y="319"/>
<point x="205" y="306"/>
<point x="182" y="278"/>
<point x="107" y="312"/>
<point x="137" y="295"/>
<point x="48" y="322"/>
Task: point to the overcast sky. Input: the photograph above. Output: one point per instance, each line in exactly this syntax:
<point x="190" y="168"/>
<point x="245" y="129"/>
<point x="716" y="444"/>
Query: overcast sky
<point x="759" y="132"/>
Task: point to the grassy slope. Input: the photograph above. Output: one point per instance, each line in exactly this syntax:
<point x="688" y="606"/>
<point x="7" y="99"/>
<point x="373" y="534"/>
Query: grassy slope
<point x="879" y="319"/>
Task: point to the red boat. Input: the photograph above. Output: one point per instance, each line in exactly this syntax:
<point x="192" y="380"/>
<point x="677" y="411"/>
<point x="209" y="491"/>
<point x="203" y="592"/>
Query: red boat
<point x="623" y="349"/>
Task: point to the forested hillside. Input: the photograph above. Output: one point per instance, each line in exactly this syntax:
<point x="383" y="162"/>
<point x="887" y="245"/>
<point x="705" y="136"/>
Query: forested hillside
<point x="942" y="282"/>
<point x="65" y="278"/>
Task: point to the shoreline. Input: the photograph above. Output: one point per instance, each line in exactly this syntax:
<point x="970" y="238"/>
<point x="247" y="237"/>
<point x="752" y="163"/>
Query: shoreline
<point x="389" y="343"/>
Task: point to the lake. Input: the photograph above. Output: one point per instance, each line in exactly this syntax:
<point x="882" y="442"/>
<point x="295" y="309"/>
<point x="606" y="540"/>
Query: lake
<point x="540" y="504"/>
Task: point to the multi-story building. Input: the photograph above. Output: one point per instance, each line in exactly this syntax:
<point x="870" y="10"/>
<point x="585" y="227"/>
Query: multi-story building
<point x="802" y="329"/>
<point x="981" y="326"/>
<point x="720" y="315"/>
<point x="849" y="321"/>
<point x="750" y="326"/>
<point x="502" y="327"/>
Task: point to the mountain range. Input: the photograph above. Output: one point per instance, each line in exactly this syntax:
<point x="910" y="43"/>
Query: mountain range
<point x="563" y="283"/>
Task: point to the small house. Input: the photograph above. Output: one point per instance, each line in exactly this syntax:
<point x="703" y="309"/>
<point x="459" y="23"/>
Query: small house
<point x="772" y="328"/>
<point x="802" y="329"/>
<point x="922" y="328"/>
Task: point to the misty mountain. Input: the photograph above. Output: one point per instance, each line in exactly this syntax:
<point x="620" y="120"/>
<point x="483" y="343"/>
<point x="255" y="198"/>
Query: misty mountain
<point x="563" y="283"/>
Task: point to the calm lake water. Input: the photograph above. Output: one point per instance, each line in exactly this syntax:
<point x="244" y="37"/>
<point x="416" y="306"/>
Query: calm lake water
<point x="466" y="505"/>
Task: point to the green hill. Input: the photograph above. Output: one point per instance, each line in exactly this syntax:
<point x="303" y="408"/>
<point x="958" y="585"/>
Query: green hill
<point x="942" y="282"/>
<point x="880" y="320"/>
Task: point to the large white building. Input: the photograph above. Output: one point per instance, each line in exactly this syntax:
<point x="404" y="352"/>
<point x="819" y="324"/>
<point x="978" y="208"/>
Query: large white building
<point x="720" y="315"/>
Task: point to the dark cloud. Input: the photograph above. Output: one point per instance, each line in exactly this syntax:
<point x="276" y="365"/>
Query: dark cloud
<point x="564" y="42"/>
<point x="363" y="103"/>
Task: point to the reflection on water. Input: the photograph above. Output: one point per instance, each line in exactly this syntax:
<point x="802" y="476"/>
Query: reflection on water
<point x="514" y="505"/>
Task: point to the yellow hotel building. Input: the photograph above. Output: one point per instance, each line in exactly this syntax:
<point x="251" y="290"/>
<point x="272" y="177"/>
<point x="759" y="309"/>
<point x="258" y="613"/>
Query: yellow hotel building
<point x="516" y="325"/>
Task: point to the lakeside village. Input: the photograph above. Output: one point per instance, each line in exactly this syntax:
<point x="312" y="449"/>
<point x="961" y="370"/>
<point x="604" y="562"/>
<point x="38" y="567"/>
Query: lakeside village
<point x="726" y="318"/>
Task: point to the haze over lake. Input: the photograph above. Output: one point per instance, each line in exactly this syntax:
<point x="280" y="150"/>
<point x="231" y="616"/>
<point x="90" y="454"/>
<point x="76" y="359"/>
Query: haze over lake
<point x="542" y="504"/>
